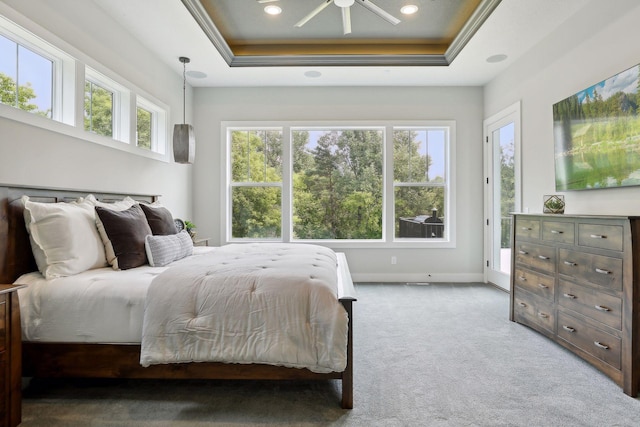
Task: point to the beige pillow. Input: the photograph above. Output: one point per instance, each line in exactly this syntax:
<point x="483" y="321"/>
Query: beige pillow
<point x="64" y="237"/>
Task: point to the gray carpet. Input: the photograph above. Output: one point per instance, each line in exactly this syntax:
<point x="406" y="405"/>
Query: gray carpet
<point x="425" y="355"/>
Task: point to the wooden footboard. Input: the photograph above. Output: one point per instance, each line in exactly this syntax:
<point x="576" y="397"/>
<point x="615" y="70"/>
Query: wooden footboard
<point x="62" y="360"/>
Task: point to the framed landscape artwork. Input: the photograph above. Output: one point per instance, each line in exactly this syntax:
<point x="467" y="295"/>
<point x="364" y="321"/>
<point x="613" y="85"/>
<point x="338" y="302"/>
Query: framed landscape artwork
<point x="597" y="135"/>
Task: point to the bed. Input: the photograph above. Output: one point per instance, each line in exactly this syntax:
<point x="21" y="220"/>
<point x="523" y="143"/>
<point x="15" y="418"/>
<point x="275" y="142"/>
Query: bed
<point x="116" y="356"/>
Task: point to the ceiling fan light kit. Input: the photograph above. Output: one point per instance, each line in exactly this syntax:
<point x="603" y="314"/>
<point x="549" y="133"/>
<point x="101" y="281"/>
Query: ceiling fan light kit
<point x="345" y="5"/>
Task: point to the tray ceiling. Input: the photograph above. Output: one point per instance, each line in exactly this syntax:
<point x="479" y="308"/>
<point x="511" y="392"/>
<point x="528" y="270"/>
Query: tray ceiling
<point x="246" y="36"/>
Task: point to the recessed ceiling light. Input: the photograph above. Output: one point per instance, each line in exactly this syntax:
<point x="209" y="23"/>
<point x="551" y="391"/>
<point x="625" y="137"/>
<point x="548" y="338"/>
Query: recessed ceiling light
<point x="312" y="74"/>
<point x="272" y="9"/>
<point x="409" y="9"/>
<point x="497" y="58"/>
<point x="196" y="74"/>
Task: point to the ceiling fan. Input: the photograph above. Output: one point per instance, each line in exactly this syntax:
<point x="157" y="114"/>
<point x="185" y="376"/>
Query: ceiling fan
<point x="345" y="5"/>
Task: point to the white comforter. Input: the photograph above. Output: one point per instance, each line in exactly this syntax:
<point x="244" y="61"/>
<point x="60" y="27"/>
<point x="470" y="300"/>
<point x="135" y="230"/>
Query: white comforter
<point x="251" y="303"/>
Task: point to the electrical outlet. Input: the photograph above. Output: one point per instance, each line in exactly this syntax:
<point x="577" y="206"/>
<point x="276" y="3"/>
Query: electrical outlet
<point x="394" y="260"/>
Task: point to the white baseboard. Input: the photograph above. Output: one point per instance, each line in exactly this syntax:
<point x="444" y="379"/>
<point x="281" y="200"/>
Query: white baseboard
<point x="419" y="278"/>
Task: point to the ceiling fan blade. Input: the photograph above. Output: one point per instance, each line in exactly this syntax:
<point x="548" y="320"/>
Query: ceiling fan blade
<point x="346" y="20"/>
<point x="378" y="11"/>
<point x="315" y="11"/>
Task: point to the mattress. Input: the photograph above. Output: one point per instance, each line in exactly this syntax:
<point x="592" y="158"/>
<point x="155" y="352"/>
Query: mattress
<point x="96" y="306"/>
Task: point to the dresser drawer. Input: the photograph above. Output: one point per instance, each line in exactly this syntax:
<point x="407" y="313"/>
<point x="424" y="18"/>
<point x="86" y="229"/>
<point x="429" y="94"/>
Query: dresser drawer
<point x="600" y="344"/>
<point x="3" y="322"/>
<point x="536" y="283"/>
<point x="600" y="270"/>
<point x="532" y="311"/>
<point x="600" y="236"/>
<point x="597" y="305"/>
<point x="527" y="228"/>
<point x="556" y="231"/>
<point x="536" y="256"/>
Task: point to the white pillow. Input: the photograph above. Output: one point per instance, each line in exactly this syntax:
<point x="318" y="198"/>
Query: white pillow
<point x="64" y="237"/>
<point x="161" y="250"/>
<point x="118" y="205"/>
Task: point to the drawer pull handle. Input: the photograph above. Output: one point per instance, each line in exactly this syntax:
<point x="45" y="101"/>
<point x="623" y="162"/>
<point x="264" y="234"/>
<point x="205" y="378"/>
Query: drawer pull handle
<point x="521" y="252"/>
<point x="542" y="285"/>
<point x="556" y="232"/>
<point x="522" y="278"/>
<point x="526" y="228"/>
<point x="543" y="257"/>
<point x="521" y="304"/>
<point x="568" y="328"/>
<point x="572" y="264"/>
<point x="600" y="345"/>
<point x="598" y="236"/>
<point x="543" y="315"/>
<point x="570" y="296"/>
<point x="601" y="271"/>
<point x="602" y="308"/>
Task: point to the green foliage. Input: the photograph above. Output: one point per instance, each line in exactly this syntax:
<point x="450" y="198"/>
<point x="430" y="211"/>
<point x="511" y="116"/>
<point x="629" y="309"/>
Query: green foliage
<point x="337" y="184"/>
<point x="143" y="128"/>
<point x="22" y="99"/>
<point x="98" y="109"/>
<point x="600" y="139"/>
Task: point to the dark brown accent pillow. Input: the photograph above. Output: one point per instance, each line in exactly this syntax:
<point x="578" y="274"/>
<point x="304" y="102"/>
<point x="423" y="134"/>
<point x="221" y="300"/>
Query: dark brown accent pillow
<point x="160" y="220"/>
<point x="126" y="231"/>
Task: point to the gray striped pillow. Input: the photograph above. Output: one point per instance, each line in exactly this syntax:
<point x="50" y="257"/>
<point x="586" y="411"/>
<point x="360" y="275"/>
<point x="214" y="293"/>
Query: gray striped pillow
<point x="161" y="250"/>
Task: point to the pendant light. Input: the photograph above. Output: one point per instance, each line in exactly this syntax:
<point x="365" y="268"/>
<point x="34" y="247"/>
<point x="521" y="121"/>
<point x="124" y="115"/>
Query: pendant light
<point x="184" y="139"/>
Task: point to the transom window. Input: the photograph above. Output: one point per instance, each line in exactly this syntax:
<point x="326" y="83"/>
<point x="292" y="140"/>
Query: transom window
<point x="40" y="78"/>
<point x="381" y="183"/>
<point x="26" y="78"/>
<point x="98" y="109"/>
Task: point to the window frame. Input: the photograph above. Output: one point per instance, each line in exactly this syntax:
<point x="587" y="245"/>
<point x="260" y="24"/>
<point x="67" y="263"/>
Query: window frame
<point x="388" y="239"/>
<point x="70" y="69"/>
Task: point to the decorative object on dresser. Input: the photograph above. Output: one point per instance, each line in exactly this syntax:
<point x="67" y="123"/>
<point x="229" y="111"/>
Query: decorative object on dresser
<point x="10" y="357"/>
<point x="575" y="281"/>
<point x="553" y="204"/>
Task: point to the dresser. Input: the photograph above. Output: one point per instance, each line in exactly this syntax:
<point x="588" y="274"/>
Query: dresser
<point x="576" y="280"/>
<point x="10" y="354"/>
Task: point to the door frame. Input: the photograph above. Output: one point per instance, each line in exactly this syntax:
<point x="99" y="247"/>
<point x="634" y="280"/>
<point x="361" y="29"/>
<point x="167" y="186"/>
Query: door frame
<point x="496" y="121"/>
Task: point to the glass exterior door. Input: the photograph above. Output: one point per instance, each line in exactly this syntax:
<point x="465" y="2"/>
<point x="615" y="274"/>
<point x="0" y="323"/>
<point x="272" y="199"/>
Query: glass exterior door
<point x="502" y="194"/>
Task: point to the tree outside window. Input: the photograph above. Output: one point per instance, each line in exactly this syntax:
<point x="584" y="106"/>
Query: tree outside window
<point x="98" y="109"/>
<point x="256" y="184"/>
<point x="337" y="184"/>
<point x="419" y="166"/>
<point x="334" y="185"/>
<point x="143" y="128"/>
<point x="25" y="78"/>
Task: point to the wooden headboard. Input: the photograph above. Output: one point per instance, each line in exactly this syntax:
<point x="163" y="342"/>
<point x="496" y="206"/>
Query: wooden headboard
<point x="16" y="257"/>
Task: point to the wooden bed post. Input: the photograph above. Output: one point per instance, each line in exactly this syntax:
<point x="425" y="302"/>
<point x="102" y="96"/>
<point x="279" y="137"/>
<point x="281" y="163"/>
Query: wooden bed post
<point x="347" y="375"/>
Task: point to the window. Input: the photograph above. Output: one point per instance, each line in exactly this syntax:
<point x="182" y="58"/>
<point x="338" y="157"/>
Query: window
<point x="98" y="109"/>
<point x="143" y="128"/>
<point x="355" y="183"/>
<point x="40" y="78"/>
<point x="26" y="78"/>
<point x="419" y="181"/>
<point x="256" y="183"/>
<point x="151" y="126"/>
<point x="337" y="183"/>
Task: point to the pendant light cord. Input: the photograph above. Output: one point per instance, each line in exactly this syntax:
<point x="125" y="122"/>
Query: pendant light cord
<point x="184" y="61"/>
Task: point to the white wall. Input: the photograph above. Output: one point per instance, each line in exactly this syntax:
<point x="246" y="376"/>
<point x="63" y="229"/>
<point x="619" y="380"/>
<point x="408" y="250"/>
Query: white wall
<point x="462" y="104"/>
<point x="34" y="156"/>
<point x="597" y="43"/>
